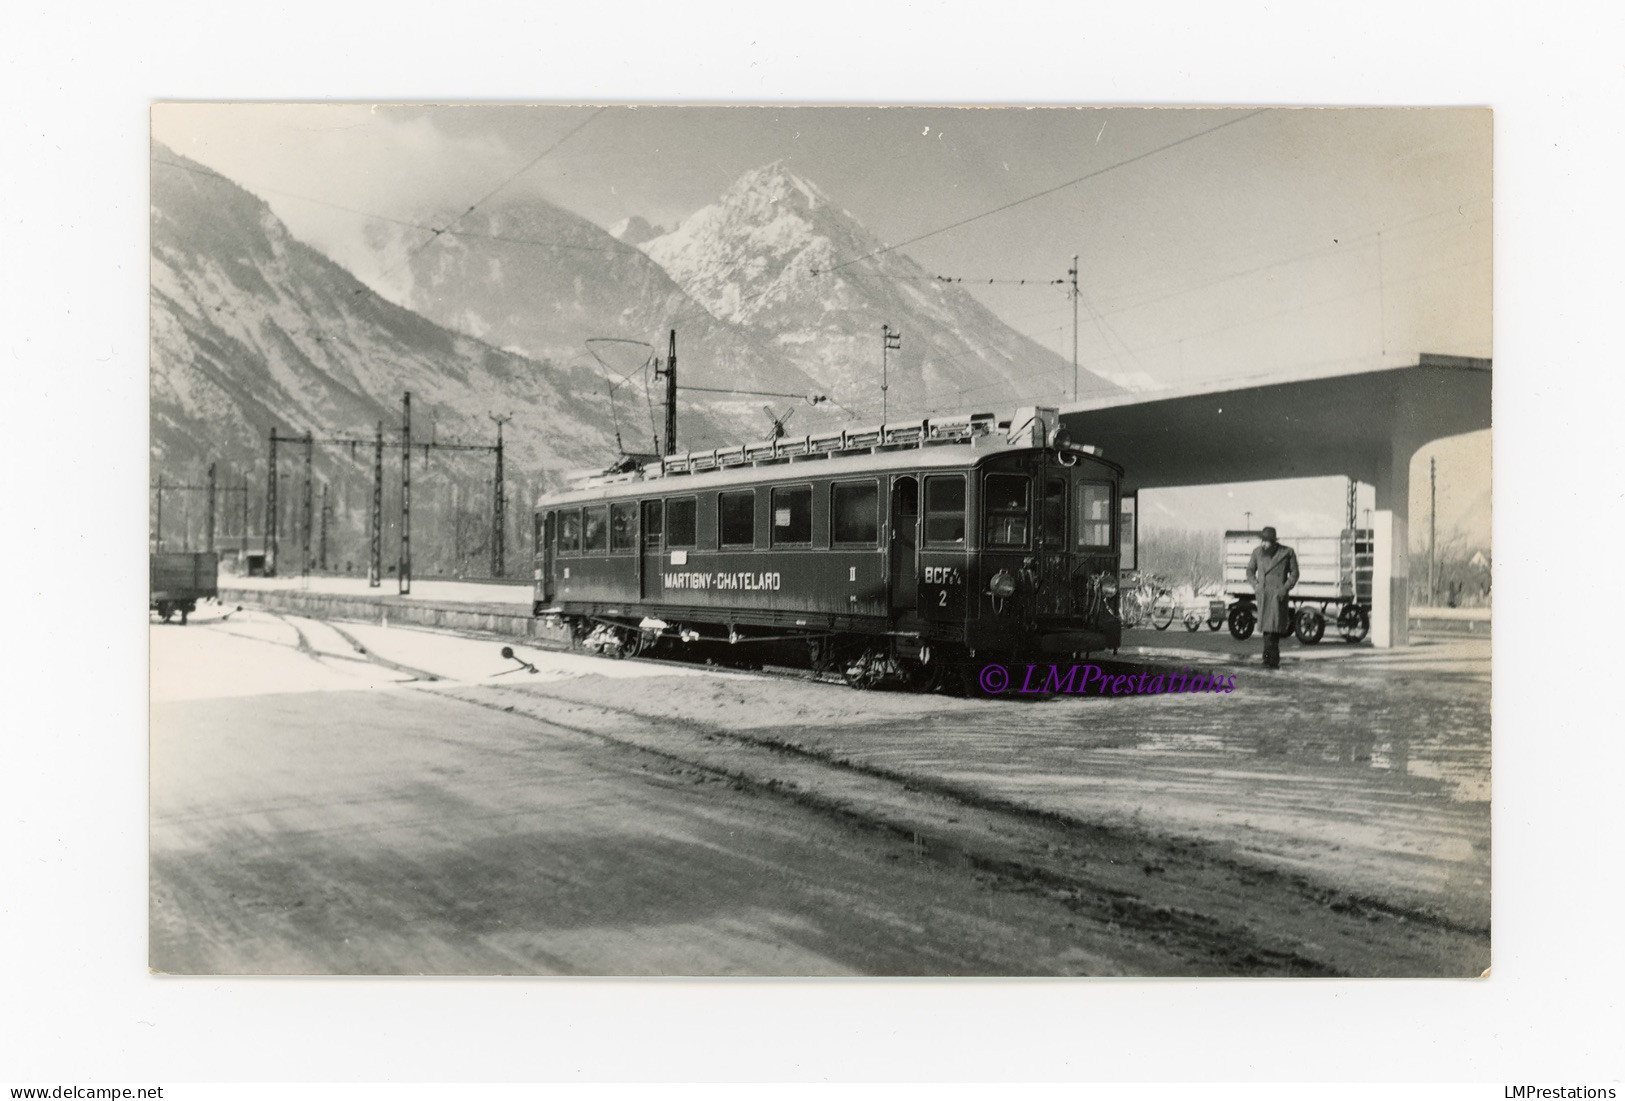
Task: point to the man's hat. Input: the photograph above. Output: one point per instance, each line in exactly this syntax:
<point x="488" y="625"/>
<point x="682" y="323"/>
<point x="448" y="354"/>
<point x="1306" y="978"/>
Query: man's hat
<point x="1268" y="533"/>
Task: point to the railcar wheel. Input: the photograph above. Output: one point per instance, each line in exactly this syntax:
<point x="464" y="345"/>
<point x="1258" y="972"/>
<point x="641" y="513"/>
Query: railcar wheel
<point x="1353" y="623"/>
<point x="1242" y="621"/>
<point x="1193" y="622"/>
<point x="1309" y="625"/>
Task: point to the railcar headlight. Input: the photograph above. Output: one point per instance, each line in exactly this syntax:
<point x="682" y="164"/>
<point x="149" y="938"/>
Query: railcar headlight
<point x="1003" y="584"/>
<point x="1108" y="585"/>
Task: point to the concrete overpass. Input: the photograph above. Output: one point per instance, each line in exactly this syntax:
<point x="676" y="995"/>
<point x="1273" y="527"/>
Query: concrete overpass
<point x="1366" y="425"/>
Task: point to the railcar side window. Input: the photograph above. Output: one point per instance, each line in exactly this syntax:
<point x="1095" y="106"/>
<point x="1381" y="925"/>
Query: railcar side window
<point x="792" y="516"/>
<point x="1052" y="517"/>
<point x="570" y="531"/>
<point x="1007" y="510"/>
<point x="736" y="518"/>
<point x="945" y="509"/>
<point x="1094" y="514"/>
<point x="594" y="529"/>
<point x="623" y="527"/>
<point x="854" y="512"/>
<point x="542" y="520"/>
<point x="680" y="514"/>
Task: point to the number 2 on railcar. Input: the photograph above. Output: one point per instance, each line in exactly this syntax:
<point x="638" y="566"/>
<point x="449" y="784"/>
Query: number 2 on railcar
<point x="897" y="554"/>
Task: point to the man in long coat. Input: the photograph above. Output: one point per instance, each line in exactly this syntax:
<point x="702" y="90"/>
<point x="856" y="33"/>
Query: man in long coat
<point x="1272" y="571"/>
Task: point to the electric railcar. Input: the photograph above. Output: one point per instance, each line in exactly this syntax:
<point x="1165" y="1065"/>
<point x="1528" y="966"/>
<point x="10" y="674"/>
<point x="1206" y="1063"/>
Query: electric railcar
<point x="891" y="554"/>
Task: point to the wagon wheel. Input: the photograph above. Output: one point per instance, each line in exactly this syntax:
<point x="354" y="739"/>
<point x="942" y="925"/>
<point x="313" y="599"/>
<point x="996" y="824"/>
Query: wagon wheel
<point x="1242" y="621"/>
<point x="1193" y="622"/>
<point x="1215" y="622"/>
<point x="1353" y="623"/>
<point x="1162" y="612"/>
<point x="1309" y="625"/>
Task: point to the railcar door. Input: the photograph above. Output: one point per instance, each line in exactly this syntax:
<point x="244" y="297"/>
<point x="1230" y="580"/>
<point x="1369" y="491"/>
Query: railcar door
<point x="1055" y="589"/>
<point x="544" y="544"/>
<point x="653" y="552"/>
<point x="905" y="523"/>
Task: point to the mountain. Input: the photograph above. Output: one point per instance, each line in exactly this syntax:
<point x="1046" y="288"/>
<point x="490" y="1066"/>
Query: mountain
<point x="777" y="257"/>
<point x="250" y="329"/>
<point x="635" y="230"/>
<point x="534" y="278"/>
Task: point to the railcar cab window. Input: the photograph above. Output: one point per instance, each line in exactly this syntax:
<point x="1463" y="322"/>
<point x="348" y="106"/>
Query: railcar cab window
<point x="945" y="510"/>
<point x="623" y="527"/>
<point x="792" y="516"/>
<point x="1008" y="510"/>
<point x="1052" y="515"/>
<point x="854" y="512"/>
<point x="1094" y="514"/>
<point x="594" y="530"/>
<point x="680" y="512"/>
<point x="570" y="531"/>
<point x="736" y="518"/>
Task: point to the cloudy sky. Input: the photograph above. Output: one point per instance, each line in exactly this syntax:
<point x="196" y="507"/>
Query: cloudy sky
<point x="1216" y="245"/>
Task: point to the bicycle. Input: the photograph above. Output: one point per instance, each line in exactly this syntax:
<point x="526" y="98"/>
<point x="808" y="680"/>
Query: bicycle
<point x="1148" y="598"/>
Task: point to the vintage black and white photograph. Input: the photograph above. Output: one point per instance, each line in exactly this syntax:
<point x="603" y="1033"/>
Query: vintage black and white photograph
<point x="819" y="541"/>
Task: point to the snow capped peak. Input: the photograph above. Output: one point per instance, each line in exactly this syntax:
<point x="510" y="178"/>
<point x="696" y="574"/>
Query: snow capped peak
<point x="776" y="255"/>
<point x="776" y="183"/>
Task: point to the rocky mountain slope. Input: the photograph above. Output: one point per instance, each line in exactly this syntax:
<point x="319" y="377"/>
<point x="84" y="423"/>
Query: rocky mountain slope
<point x="777" y="257"/>
<point x="251" y="329"/>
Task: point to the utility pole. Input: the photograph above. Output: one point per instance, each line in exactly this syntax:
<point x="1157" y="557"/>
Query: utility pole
<point x="158" y="530"/>
<point x="889" y="342"/>
<point x="669" y="373"/>
<point x="209" y="546"/>
<point x="1072" y="272"/>
<point x="321" y="554"/>
<point x="498" y="508"/>
<point x="271" y="511"/>
<point x="1249" y="520"/>
<point x="1433" y="516"/>
<point x="304" y="565"/>
<point x="375" y="563"/>
<point x="405" y="568"/>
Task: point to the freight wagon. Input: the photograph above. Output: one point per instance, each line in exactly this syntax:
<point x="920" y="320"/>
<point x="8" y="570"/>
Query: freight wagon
<point x="177" y="580"/>
<point x="1334" y="584"/>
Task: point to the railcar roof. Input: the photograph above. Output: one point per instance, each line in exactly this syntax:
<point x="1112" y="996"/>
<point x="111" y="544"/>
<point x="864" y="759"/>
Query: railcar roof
<point x="955" y="456"/>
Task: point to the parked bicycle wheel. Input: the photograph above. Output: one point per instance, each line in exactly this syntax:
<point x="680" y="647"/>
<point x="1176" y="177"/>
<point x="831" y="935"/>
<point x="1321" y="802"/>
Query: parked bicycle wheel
<point x="1162" y="612"/>
<point x="1129" y="610"/>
